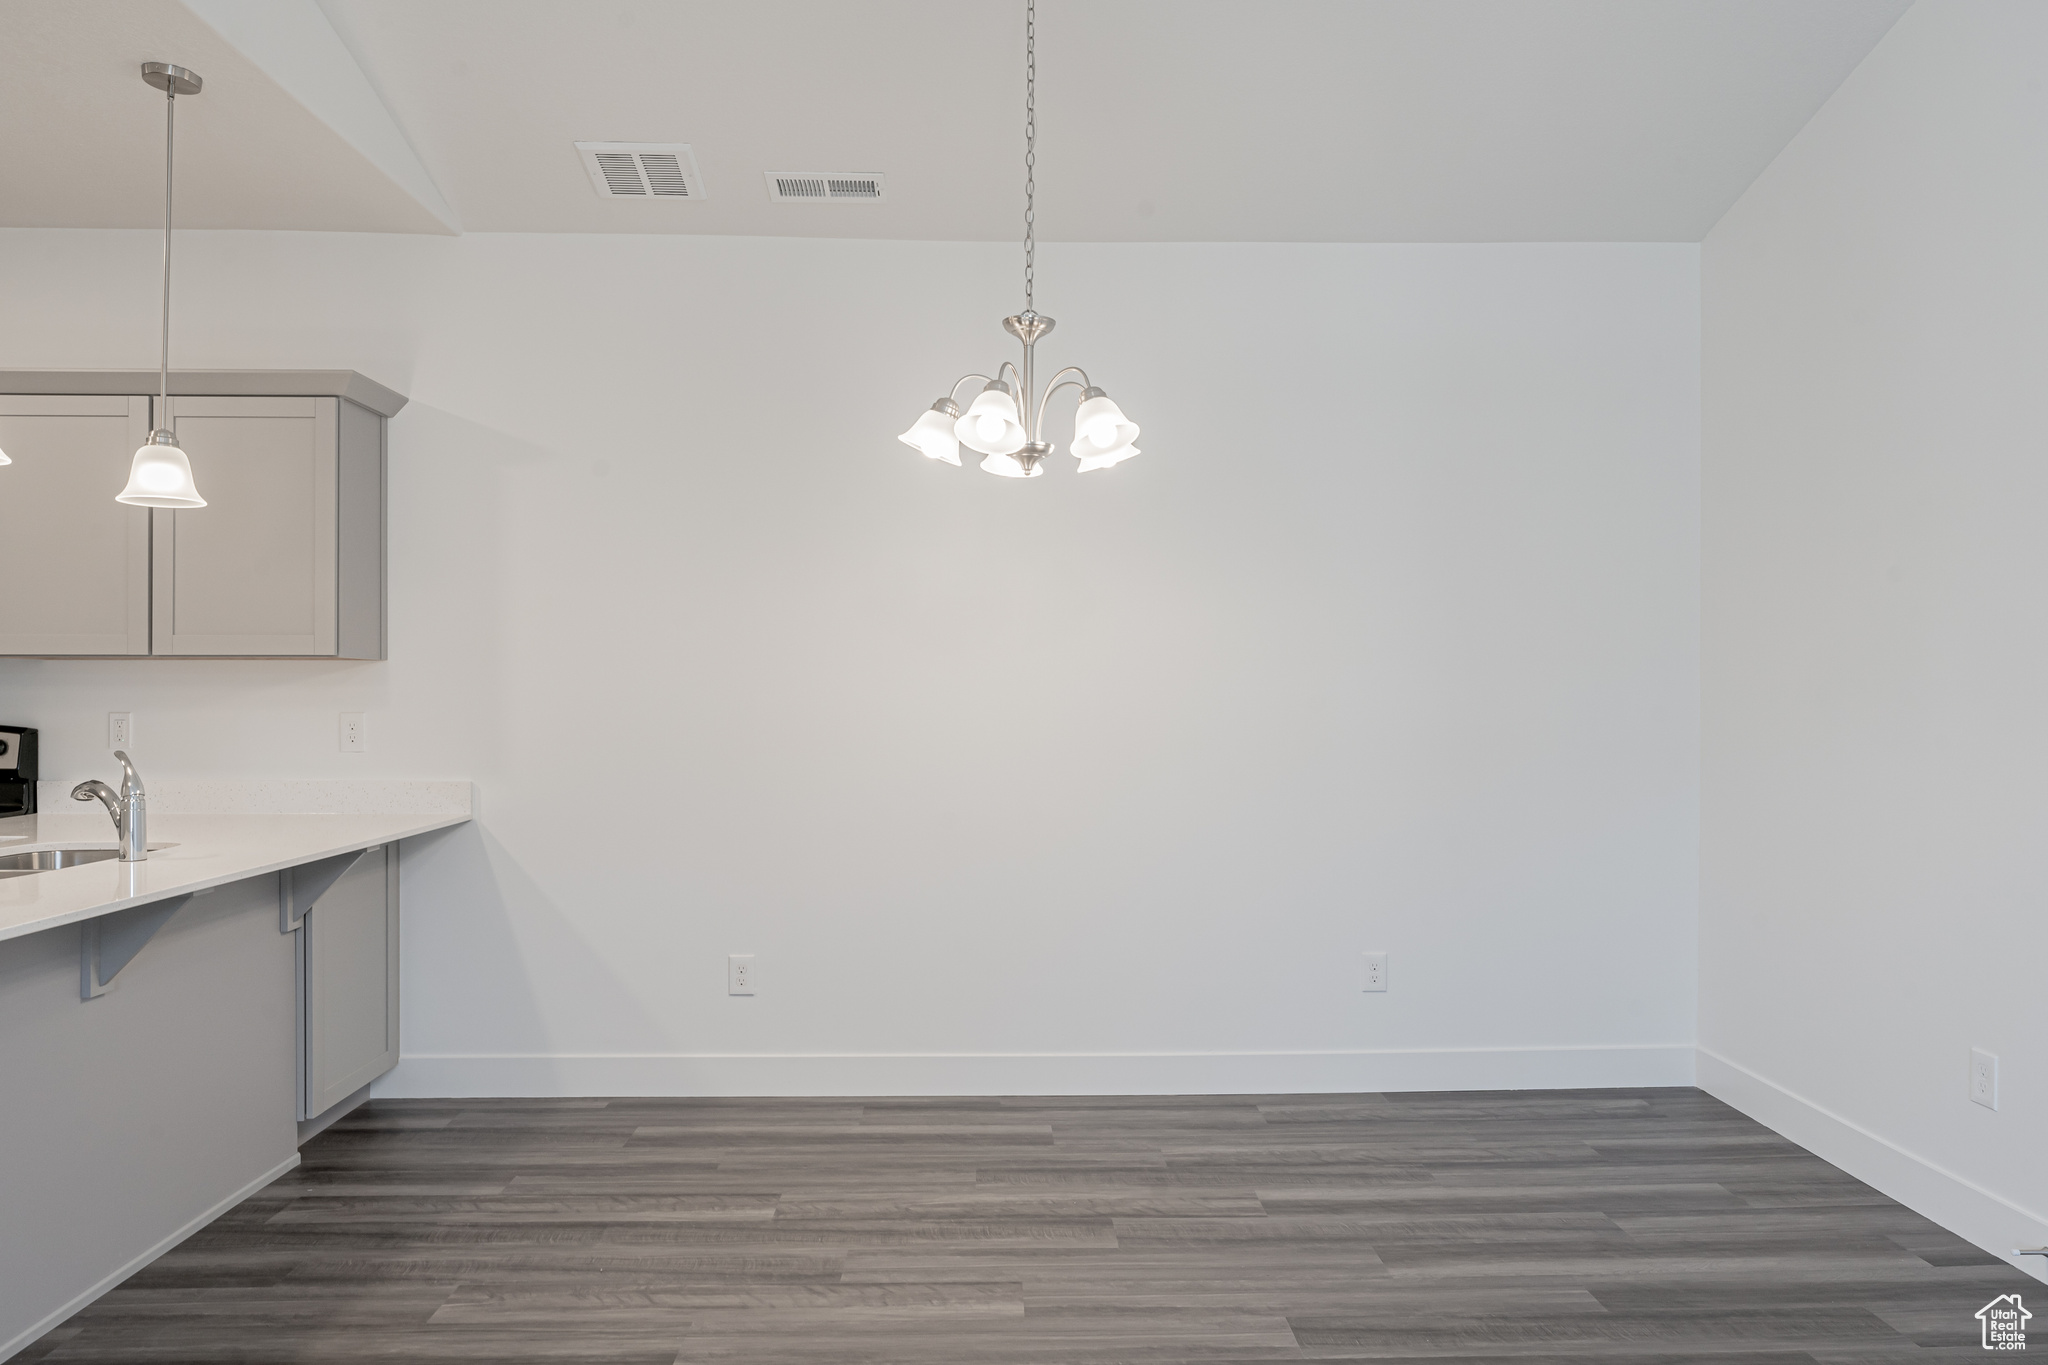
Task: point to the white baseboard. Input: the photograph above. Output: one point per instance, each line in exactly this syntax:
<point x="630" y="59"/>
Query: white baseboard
<point x="1969" y="1210"/>
<point x="445" y="1075"/>
<point x="22" y="1340"/>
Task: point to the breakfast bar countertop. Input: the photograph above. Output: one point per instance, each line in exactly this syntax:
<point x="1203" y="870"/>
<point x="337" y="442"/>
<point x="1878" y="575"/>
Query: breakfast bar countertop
<point x="191" y="852"/>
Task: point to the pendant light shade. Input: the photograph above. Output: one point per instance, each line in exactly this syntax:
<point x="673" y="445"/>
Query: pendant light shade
<point x="1010" y="467"/>
<point x="161" y="476"/>
<point x="932" y="434"/>
<point x="1103" y="436"/>
<point x="4" y="459"/>
<point x="1108" y="459"/>
<point x="991" y="425"/>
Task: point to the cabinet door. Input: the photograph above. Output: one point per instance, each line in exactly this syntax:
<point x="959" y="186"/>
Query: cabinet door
<point x="77" y="562"/>
<point x="253" y="571"/>
<point x="348" y="975"/>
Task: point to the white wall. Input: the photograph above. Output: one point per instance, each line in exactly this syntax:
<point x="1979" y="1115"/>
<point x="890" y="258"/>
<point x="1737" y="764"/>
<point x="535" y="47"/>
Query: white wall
<point x="1389" y="641"/>
<point x="1876" y="336"/>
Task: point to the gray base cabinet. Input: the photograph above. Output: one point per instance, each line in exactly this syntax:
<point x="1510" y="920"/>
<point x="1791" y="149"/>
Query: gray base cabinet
<point x="129" y="1121"/>
<point x="347" y="960"/>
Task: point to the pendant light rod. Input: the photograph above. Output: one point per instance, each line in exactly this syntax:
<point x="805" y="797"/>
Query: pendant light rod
<point x="173" y="81"/>
<point x="163" y="369"/>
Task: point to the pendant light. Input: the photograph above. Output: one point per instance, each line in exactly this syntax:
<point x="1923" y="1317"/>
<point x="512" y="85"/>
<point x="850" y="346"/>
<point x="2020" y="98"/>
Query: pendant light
<point x="161" y="475"/>
<point x="1004" y="424"/>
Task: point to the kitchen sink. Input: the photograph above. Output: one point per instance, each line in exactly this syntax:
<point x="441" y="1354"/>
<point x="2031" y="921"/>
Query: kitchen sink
<point x="50" y="859"/>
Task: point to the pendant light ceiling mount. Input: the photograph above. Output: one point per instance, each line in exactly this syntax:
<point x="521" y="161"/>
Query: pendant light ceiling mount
<point x="172" y="80"/>
<point x="161" y="476"/>
<point x="1006" y="422"/>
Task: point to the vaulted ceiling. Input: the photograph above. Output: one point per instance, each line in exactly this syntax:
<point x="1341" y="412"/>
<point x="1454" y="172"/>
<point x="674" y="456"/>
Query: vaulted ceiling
<point x="1159" y="120"/>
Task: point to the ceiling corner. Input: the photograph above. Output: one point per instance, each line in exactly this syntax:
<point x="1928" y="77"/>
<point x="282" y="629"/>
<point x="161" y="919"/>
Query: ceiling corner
<point x="295" y="44"/>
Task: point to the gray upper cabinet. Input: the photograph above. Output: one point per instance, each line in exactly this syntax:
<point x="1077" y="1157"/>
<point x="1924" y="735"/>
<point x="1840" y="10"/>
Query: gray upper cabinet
<point x="77" y="575"/>
<point x="286" y="560"/>
<point x="287" y="556"/>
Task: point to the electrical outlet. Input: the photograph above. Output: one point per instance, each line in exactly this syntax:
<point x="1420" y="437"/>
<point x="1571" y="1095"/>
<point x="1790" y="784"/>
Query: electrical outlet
<point x="1375" y="972"/>
<point x="355" y="733"/>
<point x="120" y="729"/>
<point x="739" y="974"/>
<point x="1983" y="1078"/>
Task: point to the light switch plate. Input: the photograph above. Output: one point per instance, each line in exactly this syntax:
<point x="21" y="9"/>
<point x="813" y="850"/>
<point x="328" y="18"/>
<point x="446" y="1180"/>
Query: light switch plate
<point x="739" y="974"/>
<point x="1983" y="1078"/>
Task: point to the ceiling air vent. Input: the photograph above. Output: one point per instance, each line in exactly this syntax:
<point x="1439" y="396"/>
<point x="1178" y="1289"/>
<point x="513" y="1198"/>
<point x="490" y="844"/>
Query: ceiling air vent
<point x="819" y="186"/>
<point x="642" y="170"/>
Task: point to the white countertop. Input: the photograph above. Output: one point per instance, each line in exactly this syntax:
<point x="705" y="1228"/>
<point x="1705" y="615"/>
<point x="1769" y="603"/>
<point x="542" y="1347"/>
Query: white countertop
<point x="204" y="851"/>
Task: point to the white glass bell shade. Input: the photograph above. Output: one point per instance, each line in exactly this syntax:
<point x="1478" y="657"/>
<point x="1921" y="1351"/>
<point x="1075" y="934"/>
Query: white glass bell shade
<point x="161" y="476"/>
<point x="932" y="436"/>
<point x="4" y="459"/>
<point x="1106" y="459"/>
<point x="1101" y="429"/>
<point x="1101" y="423"/>
<point x="991" y="426"/>
<point x="1010" y="467"/>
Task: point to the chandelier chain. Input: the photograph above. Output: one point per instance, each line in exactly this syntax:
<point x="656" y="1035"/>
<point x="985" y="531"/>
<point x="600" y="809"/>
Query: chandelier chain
<point x="1030" y="148"/>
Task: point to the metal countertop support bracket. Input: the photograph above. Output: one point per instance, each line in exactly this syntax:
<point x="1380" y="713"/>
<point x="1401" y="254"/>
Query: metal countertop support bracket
<point x="298" y="888"/>
<point x="107" y="943"/>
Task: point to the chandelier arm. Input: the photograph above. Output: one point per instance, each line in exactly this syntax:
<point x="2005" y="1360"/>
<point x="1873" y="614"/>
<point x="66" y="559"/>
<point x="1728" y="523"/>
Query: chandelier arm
<point x="950" y="393"/>
<point x="1016" y="377"/>
<point x="1057" y="385"/>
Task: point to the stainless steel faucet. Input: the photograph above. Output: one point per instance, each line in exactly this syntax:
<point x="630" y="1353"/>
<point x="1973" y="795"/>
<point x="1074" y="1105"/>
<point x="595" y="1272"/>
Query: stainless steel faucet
<point x="130" y="812"/>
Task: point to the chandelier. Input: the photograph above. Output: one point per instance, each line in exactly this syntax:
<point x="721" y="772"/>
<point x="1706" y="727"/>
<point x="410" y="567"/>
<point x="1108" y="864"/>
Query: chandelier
<point x="1006" y="422"/>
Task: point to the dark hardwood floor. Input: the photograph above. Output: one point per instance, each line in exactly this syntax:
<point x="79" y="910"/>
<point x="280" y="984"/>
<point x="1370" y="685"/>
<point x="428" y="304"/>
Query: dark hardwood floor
<point x="1624" y="1227"/>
